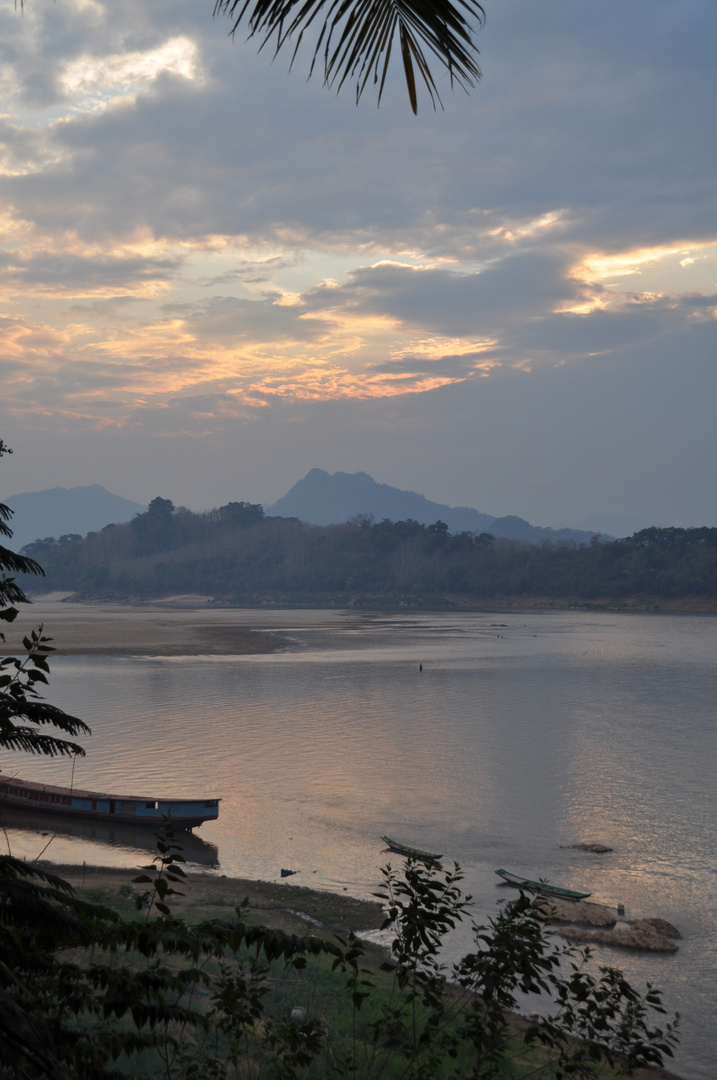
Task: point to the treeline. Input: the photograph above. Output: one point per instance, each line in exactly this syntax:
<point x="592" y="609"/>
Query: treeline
<point x="238" y="554"/>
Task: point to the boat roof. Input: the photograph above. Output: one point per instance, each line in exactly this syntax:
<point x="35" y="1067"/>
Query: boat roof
<point x="33" y="785"/>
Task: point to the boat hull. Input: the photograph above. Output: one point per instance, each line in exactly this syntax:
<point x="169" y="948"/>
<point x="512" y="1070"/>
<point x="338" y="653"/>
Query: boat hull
<point x="410" y="852"/>
<point x="100" y="806"/>
<point x="542" y="887"/>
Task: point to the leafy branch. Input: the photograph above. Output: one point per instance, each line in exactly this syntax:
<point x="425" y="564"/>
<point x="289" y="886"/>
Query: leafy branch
<point x="19" y="694"/>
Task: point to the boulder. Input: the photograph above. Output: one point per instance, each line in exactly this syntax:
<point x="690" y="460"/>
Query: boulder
<point x="660" y="926"/>
<point x="579" y="913"/>
<point x="640" y="935"/>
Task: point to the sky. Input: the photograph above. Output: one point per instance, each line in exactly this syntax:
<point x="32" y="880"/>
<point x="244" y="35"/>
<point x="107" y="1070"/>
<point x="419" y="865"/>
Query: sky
<point x="217" y="274"/>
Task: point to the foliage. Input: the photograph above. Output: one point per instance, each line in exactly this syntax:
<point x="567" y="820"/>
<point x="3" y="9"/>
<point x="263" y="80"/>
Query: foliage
<point x="355" y="41"/>
<point x="19" y="701"/>
<point x="237" y="553"/>
<point x="20" y="678"/>
<point x="34" y="906"/>
<point x="155" y="528"/>
<point x="106" y="997"/>
<point x="240" y="513"/>
<point x="455" y="1022"/>
<point x="10" y="592"/>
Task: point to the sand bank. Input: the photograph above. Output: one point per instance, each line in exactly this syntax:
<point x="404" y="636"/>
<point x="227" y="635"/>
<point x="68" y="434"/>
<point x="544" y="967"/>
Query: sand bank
<point x="182" y="627"/>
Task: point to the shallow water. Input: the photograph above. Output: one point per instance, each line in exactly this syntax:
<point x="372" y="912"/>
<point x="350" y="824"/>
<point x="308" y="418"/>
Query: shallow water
<point x="522" y="734"/>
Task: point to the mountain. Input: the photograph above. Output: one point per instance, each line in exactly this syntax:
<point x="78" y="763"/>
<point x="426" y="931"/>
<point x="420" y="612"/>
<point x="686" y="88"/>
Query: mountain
<point x="323" y="498"/>
<point x="59" y="511"/>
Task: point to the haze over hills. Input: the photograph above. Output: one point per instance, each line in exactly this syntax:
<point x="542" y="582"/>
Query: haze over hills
<point x="60" y="511"/>
<point x="320" y="498"/>
<point x="323" y="498"/>
<point x="615" y="524"/>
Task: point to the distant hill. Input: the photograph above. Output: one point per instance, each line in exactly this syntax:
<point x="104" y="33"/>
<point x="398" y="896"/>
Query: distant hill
<point x="323" y="498"/>
<point x="236" y="555"/>
<point x="61" y="511"/>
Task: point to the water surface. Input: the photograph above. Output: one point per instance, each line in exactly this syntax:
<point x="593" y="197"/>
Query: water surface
<point x="522" y="735"/>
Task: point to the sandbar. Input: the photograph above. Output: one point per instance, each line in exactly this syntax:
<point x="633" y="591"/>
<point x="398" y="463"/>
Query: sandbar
<point x="182" y="627"/>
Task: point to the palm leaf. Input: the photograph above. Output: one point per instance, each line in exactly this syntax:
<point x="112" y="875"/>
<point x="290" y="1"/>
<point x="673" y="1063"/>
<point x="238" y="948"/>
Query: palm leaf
<point x="19" y="564"/>
<point x="354" y="37"/>
<point x="5" y="515"/>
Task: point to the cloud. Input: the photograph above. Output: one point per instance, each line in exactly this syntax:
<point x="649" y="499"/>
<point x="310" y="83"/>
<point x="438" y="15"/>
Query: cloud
<point x="194" y="240"/>
<point x="94" y="82"/>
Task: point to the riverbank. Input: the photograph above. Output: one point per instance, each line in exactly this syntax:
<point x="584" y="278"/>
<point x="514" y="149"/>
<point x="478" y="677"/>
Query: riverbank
<point x="293" y="909"/>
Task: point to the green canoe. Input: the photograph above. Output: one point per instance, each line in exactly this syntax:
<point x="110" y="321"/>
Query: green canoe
<point x="543" y="887"/>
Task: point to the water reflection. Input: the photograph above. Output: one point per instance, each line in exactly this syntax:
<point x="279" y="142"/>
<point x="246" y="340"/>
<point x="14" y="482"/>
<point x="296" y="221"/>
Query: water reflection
<point x="31" y="831"/>
<point x="512" y="744"/>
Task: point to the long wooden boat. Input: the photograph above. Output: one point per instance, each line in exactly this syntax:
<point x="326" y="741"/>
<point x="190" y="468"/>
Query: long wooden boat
<point x="410" y="852"/>
<point x="543" y="887"/>
<point x="100" y="806"/>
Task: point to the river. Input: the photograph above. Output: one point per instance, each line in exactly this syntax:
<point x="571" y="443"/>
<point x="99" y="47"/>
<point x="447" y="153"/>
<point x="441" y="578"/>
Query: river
<point x="523" y="734"/>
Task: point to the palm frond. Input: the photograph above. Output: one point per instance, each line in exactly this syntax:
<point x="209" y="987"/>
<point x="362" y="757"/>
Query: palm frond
<point x="41" y="712"/>
<point x="19" y="564"/>
<point x="5" y="515"/>
<point x="354" y="38"/>
<point x="30" y="741"/>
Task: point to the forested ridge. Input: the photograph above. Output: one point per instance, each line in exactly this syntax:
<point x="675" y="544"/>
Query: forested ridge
<point x="238" y="554"/>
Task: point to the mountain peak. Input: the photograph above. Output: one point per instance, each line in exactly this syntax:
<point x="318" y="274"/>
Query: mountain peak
<point x="323" y="498"/>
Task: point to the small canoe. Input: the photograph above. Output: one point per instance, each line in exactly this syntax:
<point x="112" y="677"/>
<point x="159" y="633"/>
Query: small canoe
<point x="100" y="806"/>
<point x="543" y="887"/>
<point x="410" y="852"/>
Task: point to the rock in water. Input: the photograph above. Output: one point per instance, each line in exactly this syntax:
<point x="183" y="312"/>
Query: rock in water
<point x="640" y="935"/>
<point x="660" y="926"/>
<point x="579" y="914"/>
<point x="597" y="849"/>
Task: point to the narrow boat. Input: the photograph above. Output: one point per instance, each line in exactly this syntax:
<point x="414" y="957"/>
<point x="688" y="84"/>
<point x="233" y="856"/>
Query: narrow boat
<point x="100" y="806"/>
<point x="410" y="852"/>
<point x="543" y="887"/>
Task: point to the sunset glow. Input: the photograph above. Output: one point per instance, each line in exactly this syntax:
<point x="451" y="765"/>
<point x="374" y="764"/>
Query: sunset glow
<point x="193" y="241"/>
